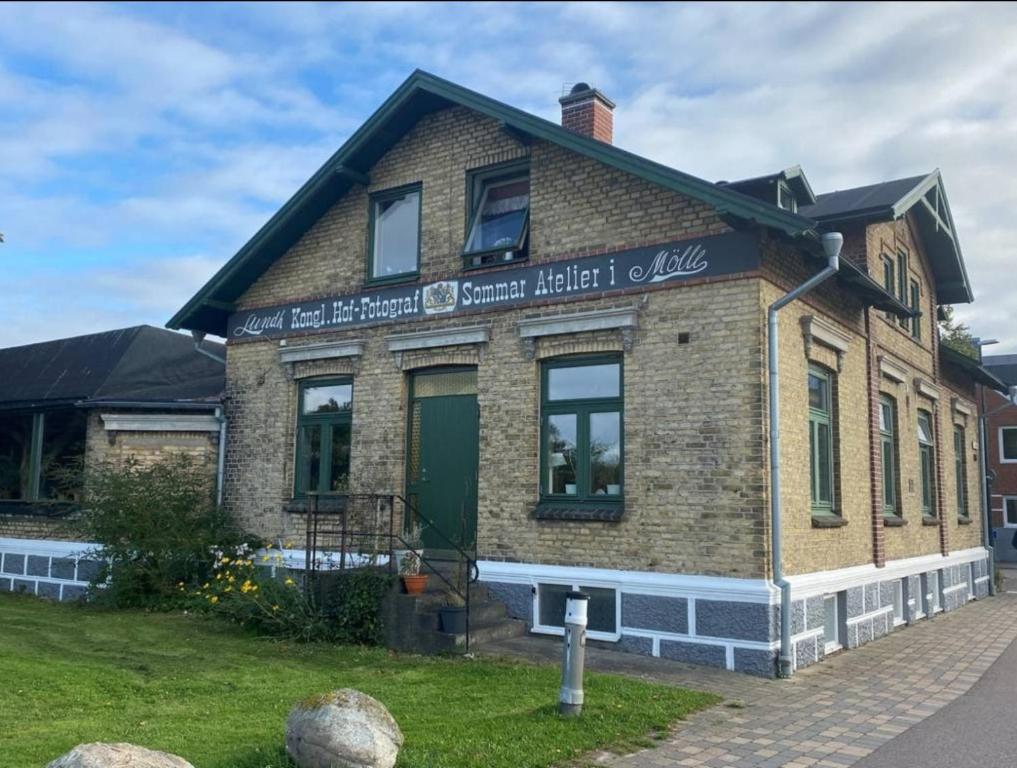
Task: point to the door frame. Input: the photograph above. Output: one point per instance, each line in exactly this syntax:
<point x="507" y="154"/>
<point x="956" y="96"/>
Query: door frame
<point x="412" y="374"/>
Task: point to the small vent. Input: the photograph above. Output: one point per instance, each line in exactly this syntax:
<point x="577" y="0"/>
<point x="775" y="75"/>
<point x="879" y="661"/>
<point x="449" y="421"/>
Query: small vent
<point x="684" y="337"/>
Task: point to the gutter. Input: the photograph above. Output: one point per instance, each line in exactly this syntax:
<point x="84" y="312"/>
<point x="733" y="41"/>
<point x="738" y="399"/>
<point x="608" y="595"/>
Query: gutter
<point x="832" y="243"/>
<point x="198" y="337"/>
<point x="162" y="405"/>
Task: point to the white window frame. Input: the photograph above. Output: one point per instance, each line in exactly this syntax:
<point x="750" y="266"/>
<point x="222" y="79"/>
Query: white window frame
<point x="611" y="637"/>
<point x="1002" y="457"/>
<point x="829" y="646"/>
<point x="898" y="603"/>
<point x="935" y="596"/>
<point x="1006" y="519"/>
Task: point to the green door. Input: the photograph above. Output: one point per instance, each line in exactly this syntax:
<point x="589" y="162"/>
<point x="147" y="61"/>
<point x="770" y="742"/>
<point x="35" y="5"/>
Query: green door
<point x="442" y="455"/>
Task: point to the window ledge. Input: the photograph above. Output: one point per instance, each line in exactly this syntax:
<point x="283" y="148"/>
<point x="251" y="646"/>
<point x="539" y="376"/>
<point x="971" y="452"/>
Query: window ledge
<point x="405" y="277"/>
<point x="894" y="522"/>
<point x="331" y="503"/>
<point x="963" y="521"/>
<point x="828" y="521"/>
<point x="926" y="520"/>
<point x="51" y="509"/>
<point x="591" y="511"/>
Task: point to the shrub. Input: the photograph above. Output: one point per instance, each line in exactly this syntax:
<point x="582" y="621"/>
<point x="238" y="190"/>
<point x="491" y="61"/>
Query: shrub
<point x="356" y="604"/>
<point x="156" y="525"/>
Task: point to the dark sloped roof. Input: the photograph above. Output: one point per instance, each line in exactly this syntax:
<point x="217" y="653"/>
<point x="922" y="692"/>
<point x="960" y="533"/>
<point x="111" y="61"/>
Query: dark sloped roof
<point x="1003" y="367"/>
<point x="758" y="186"/>
<point x="925" y="196"/>
<point x="421" y="94"/>
<point x="972" y="368"/>
<point x="139" y="364"/>
<point x="876" y="198"/>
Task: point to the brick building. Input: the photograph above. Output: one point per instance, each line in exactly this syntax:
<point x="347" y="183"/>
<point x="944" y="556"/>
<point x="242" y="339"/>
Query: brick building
<point x="139" y="392"/>
<point x="1001" y="457"/>
<point x="558" y="350"/>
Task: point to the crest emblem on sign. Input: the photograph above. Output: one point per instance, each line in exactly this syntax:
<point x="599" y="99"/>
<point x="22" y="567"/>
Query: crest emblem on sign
<point x="441" y="297"/>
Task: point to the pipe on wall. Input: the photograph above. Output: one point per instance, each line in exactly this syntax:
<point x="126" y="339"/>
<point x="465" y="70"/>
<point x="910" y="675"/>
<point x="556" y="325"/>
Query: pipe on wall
<point x="832" y="243"/>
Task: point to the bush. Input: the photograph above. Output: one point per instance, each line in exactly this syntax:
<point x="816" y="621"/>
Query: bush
<point x="156" y="526"/>
<point x="243" y="589"/>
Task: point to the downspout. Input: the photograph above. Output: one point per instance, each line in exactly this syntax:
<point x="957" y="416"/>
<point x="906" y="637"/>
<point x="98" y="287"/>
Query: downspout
<point x="198" y="337"/>
<point x="832" y="242"/>
<point x="220" y="416"/>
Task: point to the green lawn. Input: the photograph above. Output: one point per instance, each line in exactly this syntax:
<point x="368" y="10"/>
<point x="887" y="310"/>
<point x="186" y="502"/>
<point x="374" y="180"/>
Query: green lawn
<point x="219" y="698"/>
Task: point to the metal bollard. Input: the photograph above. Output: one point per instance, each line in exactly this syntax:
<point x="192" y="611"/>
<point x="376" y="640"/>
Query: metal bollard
<point x="570" y="697"/>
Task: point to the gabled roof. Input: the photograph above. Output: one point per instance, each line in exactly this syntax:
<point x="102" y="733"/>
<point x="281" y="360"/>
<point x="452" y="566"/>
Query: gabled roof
<point x="760" y="186"/>
<point x="138" y="365"/>
<point x="421" y="94"/>
<point x="890" y="200"/>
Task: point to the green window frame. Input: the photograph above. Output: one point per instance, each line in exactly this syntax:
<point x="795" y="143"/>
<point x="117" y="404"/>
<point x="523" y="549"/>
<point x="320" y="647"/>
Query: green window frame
<point x="902" y="283"/>
<point x="888" y="454"/>
<point x="927" y="464"/>
<point x="916" y="305"/>
<point x="570" y="447"/>
<point x="889" y="279"/>
<point x="40" y="455"/>
<point x="480" y="185"/>
<point x="379" y="273"/>
<point x="960" y="471"/>
<point x="324" y="436"/>
<point x="821" y="441"/>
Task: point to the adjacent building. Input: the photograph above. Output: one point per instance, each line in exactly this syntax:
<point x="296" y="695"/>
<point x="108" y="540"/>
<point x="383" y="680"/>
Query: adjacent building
<point x="1001" y="442"/>
<point x="139" y="392"/>
<point x="558" y="350"/>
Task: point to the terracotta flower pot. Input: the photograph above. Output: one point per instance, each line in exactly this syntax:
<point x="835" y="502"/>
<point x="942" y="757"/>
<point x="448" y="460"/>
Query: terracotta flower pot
<point x="415" y="584"/>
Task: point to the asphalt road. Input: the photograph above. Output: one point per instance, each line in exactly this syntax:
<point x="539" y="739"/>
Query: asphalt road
<point x="977" y="730"/>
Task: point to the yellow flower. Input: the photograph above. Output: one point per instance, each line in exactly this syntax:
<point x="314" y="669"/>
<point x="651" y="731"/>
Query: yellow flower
<point x="231" y="579"/>
<point x="205" y="585"/>
<point x="225" y="559"/>
<point x="289" y="582"/>
<point x="228" y="589"/>
<point x="275" y="607"/>
<point x="264" y="558"/>
<point x="214" y="599"/>
<point x="218" y="577"/>
<point x="180" y="583"/>
<point x="254" y="588"/>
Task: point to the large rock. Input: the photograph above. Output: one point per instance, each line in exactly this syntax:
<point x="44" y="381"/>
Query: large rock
<point x="342" y="729"/>
<point x="99" y="755"/>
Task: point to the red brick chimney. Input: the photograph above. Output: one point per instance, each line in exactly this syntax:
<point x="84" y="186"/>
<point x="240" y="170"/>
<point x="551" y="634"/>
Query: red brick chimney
<point x="587" y="111"/>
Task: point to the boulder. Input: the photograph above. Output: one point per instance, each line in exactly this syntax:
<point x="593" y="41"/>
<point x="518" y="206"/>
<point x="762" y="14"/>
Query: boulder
<point x="99" y="755"/>
<point x="342" y="729"/>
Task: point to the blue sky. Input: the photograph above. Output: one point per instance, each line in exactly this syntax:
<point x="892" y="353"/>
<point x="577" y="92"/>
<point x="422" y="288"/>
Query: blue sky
<point x="141" y="145"/>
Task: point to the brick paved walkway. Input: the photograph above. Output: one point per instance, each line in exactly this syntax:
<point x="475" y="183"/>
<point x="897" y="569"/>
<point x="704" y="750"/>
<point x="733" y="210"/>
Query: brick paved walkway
<point x="829" y="715"/>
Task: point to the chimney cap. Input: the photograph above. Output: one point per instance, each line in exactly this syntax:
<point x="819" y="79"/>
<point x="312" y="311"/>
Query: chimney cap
<point x="582" y="92"/>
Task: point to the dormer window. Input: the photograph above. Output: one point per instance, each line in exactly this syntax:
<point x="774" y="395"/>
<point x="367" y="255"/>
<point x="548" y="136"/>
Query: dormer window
<point x="499" y="216"/>
<point x="786" y="198"/>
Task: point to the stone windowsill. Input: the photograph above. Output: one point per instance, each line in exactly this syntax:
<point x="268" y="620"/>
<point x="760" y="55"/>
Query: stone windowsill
<point x="828" y="521"/>
<point x="963" y="521"/>
<point x="894" y="521"/>
<point x="336" y="503"/>
<point x="36" y="509"/>
<point x="930" y="521"/>
<point x="593" y="511"/>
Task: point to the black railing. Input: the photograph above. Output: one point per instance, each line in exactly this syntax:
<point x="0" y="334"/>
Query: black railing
<point x="360" y="530"/>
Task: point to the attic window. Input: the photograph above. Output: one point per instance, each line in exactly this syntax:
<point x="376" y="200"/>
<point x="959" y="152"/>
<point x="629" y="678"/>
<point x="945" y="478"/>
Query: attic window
<point x="395" y="234"/>
<point x="786" y="198"/>
<point x="499" y="216"/>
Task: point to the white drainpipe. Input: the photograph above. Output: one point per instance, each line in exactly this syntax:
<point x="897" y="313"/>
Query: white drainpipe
<point x="832" y="242"/>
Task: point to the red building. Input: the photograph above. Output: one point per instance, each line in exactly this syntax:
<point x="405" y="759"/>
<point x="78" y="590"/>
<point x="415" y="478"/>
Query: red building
<point x="1001" y="457"/>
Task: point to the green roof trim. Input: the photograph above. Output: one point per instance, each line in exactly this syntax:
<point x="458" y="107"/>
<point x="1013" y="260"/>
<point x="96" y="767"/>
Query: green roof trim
<point x="972" y="368"/>
<point x="420" y="94"/>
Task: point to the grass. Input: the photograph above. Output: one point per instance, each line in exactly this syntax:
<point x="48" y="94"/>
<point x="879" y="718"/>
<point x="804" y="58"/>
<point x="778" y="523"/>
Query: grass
<point x="219" y="698"/>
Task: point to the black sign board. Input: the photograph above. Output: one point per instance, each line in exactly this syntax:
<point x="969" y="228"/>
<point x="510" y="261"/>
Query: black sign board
<point x="674" y="262"/>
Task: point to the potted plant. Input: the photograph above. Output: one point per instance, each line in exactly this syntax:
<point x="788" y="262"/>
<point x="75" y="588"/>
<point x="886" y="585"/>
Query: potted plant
<point x="414" y="582"/>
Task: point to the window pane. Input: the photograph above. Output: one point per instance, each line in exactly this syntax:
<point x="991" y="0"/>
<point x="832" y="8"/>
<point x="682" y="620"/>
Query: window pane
<point x="552" y="604"/>
<point x="330" y="399"/>
<point x="340" y="469"/>
<point x="15" y="447"/>
<point x="396" y="235"/>
<point x="830" y="634"/>
<point x="63" y="450"/>
<point x="499" y="223"/>
<point x="1011" y="511"/>
<point x="813" y="469"/>
<point x="561" y="453"/>
<point x="924" y="429"/>
<point x="819" y="396"/>
<point x="601" y="613"/>
<point x="445" y="383"/>
<point x="889" y="478"/>
<point x="1010" y="443"/>
<point x="960" y="473"/>
<point x="926" y="470"/>
<point x="309" y="471"/>
<point x="887" y="420"/>
<point x="824" y="462"/>
<point x="605" y="454"/>
<point x="584" y="381"/>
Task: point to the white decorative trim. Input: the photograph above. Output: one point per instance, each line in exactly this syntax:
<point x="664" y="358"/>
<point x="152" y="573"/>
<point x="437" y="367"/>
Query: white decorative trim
<point x="159" y="422"/>
<point x="639" y="582"/>
<point x="323" y="351"/>
<point x="579" y="322"/>
<point x="440" y="337"/>
<point x="926" y="389"/>
<point x="46" y="547"/>
<point x="892" y="371"/>
<point x="816" y="329"/>
<point x="828" y="582"/>
<point x="960" y="406"/>
<point x="1002" y="455"/>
